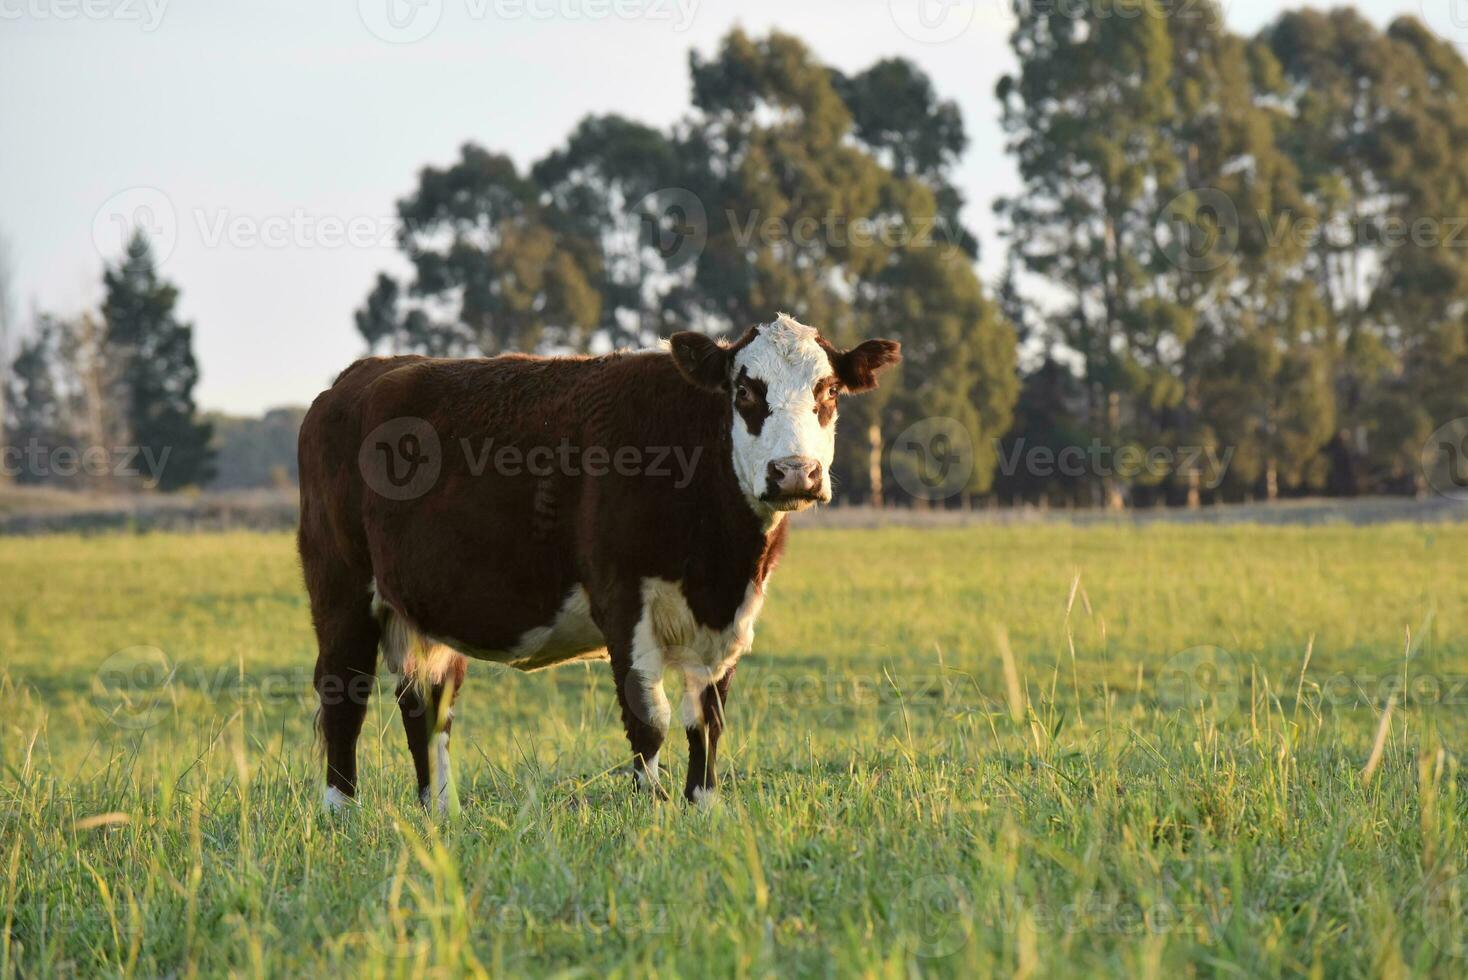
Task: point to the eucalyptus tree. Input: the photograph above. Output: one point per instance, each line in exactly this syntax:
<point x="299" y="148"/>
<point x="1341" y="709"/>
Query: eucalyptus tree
<point x="1086" y="115"/>
<point x="492" y="271"/>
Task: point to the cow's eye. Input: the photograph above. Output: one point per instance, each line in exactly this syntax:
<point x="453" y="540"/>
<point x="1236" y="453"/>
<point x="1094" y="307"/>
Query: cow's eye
<point x="742" y="394"/>
<point x="833" y="391"/>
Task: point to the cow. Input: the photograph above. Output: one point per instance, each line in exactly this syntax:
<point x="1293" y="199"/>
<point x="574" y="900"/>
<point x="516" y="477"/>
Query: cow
<point x="535" y="511"/>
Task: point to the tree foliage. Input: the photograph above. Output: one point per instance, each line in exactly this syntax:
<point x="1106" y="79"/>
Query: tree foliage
<point x="1209" y="219"/>
<point x="790" y="187"/>
<point x="155" y="369"/>
<point x="88" y="396"/>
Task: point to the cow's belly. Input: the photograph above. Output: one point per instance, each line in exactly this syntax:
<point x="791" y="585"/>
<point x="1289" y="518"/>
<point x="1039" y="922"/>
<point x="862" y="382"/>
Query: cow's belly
<point x="667" y="635"/>
<point x="568" y="636"/>
<point x="571" y="635"/>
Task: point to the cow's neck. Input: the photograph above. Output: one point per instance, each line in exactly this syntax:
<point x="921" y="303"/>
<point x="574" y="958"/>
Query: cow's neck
<point x="744" y="537"/>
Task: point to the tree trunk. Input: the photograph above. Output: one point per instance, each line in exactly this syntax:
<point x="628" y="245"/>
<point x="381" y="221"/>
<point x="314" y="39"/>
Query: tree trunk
<point x="1271" y="480"/>
<point x="1195" y="494"/>
<point x="874" y="461"/>
<point x="94" y="392"/>
<point x="1115" y="495"/>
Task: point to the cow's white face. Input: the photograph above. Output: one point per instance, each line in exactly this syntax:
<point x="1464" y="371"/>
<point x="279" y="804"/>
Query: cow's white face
<point x="782" y="381"/>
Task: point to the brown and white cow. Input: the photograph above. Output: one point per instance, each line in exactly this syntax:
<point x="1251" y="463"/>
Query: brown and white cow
<point x="534" y="511"/>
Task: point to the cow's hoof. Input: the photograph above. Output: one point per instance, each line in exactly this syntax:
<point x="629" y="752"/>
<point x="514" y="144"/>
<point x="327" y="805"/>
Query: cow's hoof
<point x="336" y="802"/>
<point x="650" y="785"/>
<point x="446" y="804"/>
<point x="702" y="797"/>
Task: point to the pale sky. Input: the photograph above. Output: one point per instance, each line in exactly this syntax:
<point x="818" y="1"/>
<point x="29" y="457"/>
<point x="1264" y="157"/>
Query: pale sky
<point x="266" y="141"/>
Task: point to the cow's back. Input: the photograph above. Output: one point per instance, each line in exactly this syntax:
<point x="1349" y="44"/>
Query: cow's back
<point x="446" y="481"/>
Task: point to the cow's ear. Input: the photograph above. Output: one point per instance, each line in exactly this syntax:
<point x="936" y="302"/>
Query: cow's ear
<point x="858" y="368"/>
<point x="701" y="359"/>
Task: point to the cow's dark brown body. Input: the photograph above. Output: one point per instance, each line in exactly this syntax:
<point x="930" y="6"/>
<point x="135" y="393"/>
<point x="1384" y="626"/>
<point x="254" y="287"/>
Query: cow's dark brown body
<point x="479" y="560"/>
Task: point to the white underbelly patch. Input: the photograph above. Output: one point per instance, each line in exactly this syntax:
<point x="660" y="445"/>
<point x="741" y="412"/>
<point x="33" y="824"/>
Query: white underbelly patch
<point x="570" y="636"/>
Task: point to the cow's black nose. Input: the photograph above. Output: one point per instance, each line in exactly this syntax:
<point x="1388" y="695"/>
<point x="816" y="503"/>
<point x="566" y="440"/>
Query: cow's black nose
<point x="795" y="475"/>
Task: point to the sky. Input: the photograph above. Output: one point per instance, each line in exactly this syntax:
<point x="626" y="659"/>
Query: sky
<point x="264" y="143"/>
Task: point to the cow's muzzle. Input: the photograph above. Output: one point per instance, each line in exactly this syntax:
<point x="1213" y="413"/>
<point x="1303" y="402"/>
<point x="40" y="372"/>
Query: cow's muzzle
<point x="793" y="482"/>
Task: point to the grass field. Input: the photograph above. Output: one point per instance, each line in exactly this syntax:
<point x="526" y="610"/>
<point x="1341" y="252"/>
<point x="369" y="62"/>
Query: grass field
<point x="992" y="750"/>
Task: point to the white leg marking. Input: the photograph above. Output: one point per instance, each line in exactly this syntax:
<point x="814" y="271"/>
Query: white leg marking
<point x="704" y="797"/>
<point x="668" y="626"/>
<point x="443" y="775"/>
<point x="336" y="801"/>
<point x="648" y="775"/>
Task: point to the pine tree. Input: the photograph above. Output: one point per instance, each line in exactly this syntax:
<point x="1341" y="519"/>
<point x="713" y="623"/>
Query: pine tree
<point x="35" y="403"/>
<point x="154" y="367"/>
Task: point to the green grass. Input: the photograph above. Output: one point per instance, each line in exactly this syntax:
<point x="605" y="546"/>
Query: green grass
<point x="944" y="757"/>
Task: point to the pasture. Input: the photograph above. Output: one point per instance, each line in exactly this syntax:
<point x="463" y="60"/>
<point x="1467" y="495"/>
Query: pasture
<point x="1028" y="750"/>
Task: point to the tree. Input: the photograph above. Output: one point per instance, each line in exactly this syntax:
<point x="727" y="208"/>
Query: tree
<point x="827" y="209"/>
<point x="1272" y="405"/>
<point x="155" y="369"/>
<point x="1375" y="122"/>
<point x="897" y="114"/>
<point x="7" y="330"/>
<point x="492" y="272"/>
<point x="34" y="401"/>
<point x="1255" y="319"/>
<point x="609" y="186"/>
<point x="790" y="188"/>
<point x="257" y="451"/>
<point x="1087" y="116"/>
<point x="1153" y="184"/>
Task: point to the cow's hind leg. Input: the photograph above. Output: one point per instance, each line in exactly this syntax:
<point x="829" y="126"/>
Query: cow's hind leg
<point x="427" y="706"/>
<point x="346" y="668"/>
<point x="703" y="718"/>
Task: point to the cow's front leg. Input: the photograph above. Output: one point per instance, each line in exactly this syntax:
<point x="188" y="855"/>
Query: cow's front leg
<point x="645" y="710"/>
<point x="703" y="718"/>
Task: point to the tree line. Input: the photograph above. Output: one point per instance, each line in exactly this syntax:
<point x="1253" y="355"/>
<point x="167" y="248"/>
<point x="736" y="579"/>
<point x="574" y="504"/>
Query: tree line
<point x="1251" y="245"/>
<point x="789" y="187"/>
<point x="104" y="400"/>
<point x="1236" y="267"/>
